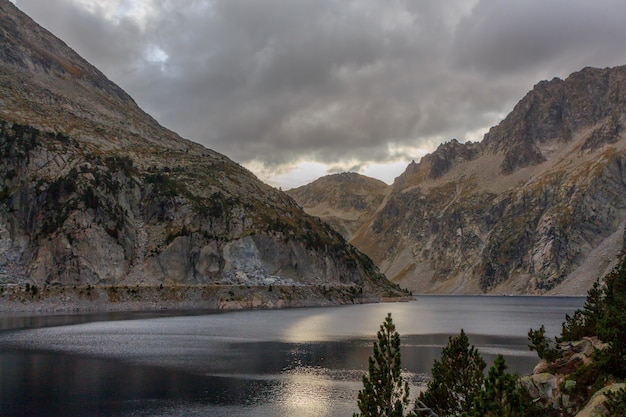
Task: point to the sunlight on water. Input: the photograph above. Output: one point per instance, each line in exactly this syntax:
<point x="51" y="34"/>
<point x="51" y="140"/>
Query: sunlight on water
<point x="312" y="328"/>
<point x="300" y="362"/>
<point x="306" y="393"/>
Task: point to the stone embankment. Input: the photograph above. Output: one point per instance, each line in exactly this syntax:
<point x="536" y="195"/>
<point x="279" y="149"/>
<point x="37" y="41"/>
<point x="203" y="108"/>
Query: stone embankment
<point x="145" y="298"/>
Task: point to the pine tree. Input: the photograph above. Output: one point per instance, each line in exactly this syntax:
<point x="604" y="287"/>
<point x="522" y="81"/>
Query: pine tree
<point x="384" y="392"/>
<point x="456" y="379"/>
<point x="544" y="346"/>
<point x="584" y="322"/>
<point x="611" y="327"/>
<point x="501" y="395"/>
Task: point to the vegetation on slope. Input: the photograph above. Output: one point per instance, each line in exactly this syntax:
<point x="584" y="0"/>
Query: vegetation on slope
<point x="128" y="210"/>
<point x="459" y="388"/>
<point x="604" y="317"/>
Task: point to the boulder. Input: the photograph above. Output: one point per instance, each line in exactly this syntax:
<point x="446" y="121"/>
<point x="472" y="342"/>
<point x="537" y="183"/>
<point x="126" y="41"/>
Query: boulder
<point x="541" y="386"/>
<point x="595" y="407"/>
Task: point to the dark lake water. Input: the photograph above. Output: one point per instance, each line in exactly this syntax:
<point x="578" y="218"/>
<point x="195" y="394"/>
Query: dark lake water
<point x="297" y="362"/>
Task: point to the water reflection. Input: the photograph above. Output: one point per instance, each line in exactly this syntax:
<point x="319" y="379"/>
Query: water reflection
<point x="305" y="362"/>
<point x="18" y="321"/>
<point x="40" y="383"/>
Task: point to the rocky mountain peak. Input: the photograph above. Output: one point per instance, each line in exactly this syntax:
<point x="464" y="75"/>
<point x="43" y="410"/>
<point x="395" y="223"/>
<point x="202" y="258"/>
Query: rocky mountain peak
<point x="538" y="206"/>
<point x="553" y="111"/>
<point x="436" y="164"/>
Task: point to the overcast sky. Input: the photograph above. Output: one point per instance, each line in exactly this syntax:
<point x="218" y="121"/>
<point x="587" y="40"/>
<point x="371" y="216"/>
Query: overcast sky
<point x="296" y="89"/>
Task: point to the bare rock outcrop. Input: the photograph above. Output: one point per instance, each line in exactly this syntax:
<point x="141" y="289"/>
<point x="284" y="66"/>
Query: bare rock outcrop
<point x="538" y="206"/>
<point x="550" y="384"/>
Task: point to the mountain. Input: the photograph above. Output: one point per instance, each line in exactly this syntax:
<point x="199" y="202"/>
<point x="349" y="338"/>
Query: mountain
<point x="345" y="201"/>
<point x="95" y="192"/>
<point x="538" y="206"/>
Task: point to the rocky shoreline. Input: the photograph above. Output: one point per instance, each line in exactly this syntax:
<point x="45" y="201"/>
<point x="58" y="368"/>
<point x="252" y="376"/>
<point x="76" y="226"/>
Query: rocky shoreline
<point x="51" y="299"/>
<point x="551" y="383"/>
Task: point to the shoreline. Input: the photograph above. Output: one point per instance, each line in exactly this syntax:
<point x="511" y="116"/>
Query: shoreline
<point x="217" y="297"/>
<point x="63" y="299"/>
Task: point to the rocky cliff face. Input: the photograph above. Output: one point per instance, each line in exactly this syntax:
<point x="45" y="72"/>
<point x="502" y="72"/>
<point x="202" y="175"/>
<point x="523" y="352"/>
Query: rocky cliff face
<point x="345" y="201"/>
<point x="539" y="206"/>
<point x="95" y="191"/>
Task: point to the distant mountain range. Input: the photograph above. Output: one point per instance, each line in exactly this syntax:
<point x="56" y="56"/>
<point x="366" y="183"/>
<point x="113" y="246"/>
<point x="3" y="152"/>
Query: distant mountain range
<point x="538" y="206"/>
<point x="95" y="192"/>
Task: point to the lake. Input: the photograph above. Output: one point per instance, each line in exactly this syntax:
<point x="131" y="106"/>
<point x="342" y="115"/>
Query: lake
<point x="262" y="363"/>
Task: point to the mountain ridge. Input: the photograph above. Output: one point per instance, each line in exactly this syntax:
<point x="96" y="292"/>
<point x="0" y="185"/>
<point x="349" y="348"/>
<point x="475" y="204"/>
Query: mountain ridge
<point x="521" y="211"/>
<point x="97" y="193"/>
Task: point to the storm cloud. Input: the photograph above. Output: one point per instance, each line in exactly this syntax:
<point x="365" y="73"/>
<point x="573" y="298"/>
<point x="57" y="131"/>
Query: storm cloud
<point x="340" y="83"/>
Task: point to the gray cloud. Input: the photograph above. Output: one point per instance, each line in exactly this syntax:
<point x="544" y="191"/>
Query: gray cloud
<point x="336" y="80"/>
<point x="509" y="38"/>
